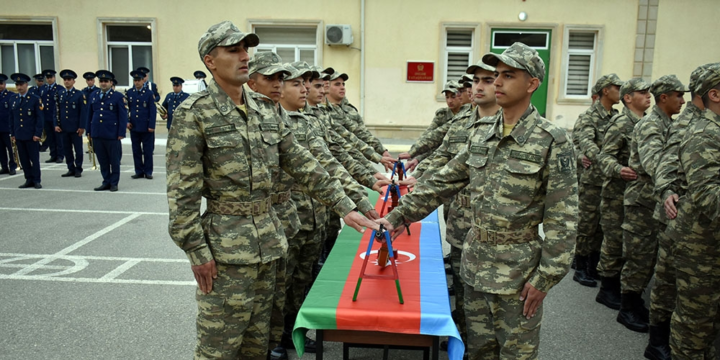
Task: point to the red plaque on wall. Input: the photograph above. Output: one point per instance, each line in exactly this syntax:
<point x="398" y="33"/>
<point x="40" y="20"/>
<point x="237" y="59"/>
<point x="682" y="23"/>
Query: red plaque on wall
<point x="420" y="71"/>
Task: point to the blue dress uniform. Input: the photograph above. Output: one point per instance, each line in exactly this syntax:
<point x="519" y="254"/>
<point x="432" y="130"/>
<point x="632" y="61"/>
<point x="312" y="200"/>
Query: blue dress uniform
<point x="200" y="75"/>
<point x="70" y="117"/>
<point x="27" y="118"/>
<point x="53" y="139"/>
<point x="37" y="90"/>
<point x="106" y="123"/>
<point x="7" y="156"/>
<point x="173" y="100"/>
<point x="142" y="111"/>
<point x="88" y="90"/>
<point x="149" y="84"/>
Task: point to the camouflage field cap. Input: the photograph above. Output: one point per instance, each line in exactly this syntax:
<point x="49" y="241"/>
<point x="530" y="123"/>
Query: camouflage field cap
<point x="666" y="84"/>
<point x="296" y="72"/>
<point x="328" y="70"/>
<point x="519" y="56"/>
<point x="321" y="74"/>
<point x="605" y="81"/>
<point x="224" y="34"/>
<point x="695" y="76"/>
<point x="336" y="75"/>
<point x="466" y="80"/>
<point x="709" y="79"/>
<point x="267" y="63"/>
<point x="479" y="65"/>
<point x="450" y="86"/>
<point x="632" y="85"/>
<point x="302" y="65"/>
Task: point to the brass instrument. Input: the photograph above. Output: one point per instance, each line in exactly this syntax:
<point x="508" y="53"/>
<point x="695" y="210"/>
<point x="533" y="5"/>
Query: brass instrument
<point x="43" y="137"/>
<point x="161" y="109"/>
<point x="91" y="150"/>
<point x="17" y="157"/>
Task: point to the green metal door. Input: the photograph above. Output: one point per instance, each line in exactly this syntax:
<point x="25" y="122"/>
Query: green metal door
<point x="537" y="39"/>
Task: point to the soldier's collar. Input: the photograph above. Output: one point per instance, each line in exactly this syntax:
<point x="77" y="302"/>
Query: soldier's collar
<point x="661" y="114"/>
<point x="522" y="129"/>
<point x="223" y="102"/>
<point x="600" y="109"/>
<point x="712" y="117"/>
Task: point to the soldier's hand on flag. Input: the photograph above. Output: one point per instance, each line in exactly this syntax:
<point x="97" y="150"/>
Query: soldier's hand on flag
<point x="411" y="165"/>
<point x="379" y="185"/>
<point x="372" y="215"/>
<point x="358" y="222"/>
<point x="404" y="156"/>
<point x="380" y="176"/>
<point x="388" y="162"/>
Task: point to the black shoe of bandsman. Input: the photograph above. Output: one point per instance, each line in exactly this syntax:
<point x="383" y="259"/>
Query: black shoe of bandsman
<point x="137" y="176"/>
<point x="4" y="171"/>
<point x="12" y="172"/>
<point x="77" y="174"/>
<point x="60" y="161"/>
<point x="50" y="160"/>
<point x="149" y="177"/>
<point x="113" y="188"/>
<point x="38" y="186"/>
<point x="102" y="187"/>
<point x="68" y="174"/>
<point x="27" y="184"/>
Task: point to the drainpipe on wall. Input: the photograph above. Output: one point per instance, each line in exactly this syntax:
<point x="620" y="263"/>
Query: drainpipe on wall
<point x="362" y="57"/>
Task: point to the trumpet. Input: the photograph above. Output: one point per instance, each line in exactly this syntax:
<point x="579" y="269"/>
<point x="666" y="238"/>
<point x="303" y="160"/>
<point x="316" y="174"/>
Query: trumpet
<point x="161" y="109"/>
<point x="91" y="150"/>
<point x="17" y="157"/>
<point x="43" y="137"/>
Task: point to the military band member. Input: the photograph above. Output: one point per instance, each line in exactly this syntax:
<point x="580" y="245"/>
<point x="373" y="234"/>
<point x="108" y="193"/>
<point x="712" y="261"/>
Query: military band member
<point x="516" y="181"/>
<point x="225" y="146"/>
<point x="143" y="112"/>
<point x="200" y="75"/>
<point x="7" y="155"/>
<point x="107" y="120"/>
<point x="38" y="87"/>
<point x="27" y="120"/>
<point x="69" y="121"/>
<point x="49" y="99"/>
<point x="90" y="81"/>
<point x="149" y="84"/>
<point x="174" y="99"/>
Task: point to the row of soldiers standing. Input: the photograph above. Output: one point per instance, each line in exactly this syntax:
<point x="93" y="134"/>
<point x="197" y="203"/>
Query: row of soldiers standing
<point x="649" y="200"/>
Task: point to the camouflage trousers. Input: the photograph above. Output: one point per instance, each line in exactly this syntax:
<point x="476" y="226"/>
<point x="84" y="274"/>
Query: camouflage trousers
<point x="459" y="222"/>
<point x="287" y="213"/>
<point x="639" y="248"/>
<point x="589" y="234"/>
<point x="662" y="294"/>
<point x="694" y="324"/>
<point x="459" y="287"/>
<point x="303" y="253"/>
<point x="497" y="329"/>
<point x="611" y="253"/>
<point x="233" y="320"/>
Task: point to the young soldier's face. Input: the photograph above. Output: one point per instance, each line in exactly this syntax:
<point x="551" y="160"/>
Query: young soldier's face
<point x="39" y="82"/>
<point x="639" y="99"/>
<point x="613" y="93"/>
<point x="177" y="88"/>
<point x="229" y="63"/>
<point x="337" y="89"/>
<point x="2" y="86"/>
<point x="483" y="87"/>
<point x="105" y="85"/>
<point x="294" y="93"/>
<point x="316" y="92"/>
<point x="21" y="87"/>
<point x="90" y="82"/>
<point x="466" y="95"/>
<point x="512" y="85"/>
<point x="268" y="85"/>
<point x="674" y="102"/>
<point x="51" y="80"/>
<point x="138" y="82"/>
<point x="452" y="100"/>
<point x="68" y="82"/>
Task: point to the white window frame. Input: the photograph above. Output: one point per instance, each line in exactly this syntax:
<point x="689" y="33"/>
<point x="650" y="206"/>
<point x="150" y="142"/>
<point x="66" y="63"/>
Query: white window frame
<point x="595" y="63"/>
<point x="492" y="41"/>
<point x="472" y="50"/>
<point x="52" y="21"/>
<point x="104" y="60"/>
<point x="319" y="36"/>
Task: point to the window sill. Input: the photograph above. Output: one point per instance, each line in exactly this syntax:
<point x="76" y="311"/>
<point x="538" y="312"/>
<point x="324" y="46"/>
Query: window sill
<point x="571" y="101"/>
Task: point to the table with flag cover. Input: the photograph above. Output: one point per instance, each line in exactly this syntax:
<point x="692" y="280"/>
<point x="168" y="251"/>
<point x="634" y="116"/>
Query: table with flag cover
<point x="426" y="310"/>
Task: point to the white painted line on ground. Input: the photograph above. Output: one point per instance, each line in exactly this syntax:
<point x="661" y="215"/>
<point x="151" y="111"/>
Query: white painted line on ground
<point x="83" y="211"/>
<point x="120" y="269"/>
<point x="91" y="191"/>
<point x="18" y="175"/>
<point x="76" y="245"/>
<point x="91" y="280"/>
<point x="16" y="257"/>
<point x="50" y="267"/>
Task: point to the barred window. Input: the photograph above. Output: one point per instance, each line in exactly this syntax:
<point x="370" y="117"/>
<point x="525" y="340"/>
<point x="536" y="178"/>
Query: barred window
<point x="458" y="53"/>
<point x="580" y="63"/>
<point x="26" y="48"/>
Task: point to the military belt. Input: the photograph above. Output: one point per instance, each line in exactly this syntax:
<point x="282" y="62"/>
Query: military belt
<point x="236" y="208"/>
<point x="505" y="237"/>
<point x="463" y="200"/>
<point x="279" y="198"/>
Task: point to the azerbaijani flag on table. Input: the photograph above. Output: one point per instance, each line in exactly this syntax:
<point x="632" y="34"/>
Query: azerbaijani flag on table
<point x="426" y="310"/>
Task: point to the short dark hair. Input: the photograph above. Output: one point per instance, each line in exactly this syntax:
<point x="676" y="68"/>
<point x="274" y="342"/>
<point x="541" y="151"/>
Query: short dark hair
<point x="706" y="97"/>
<point x="657" y="98"/>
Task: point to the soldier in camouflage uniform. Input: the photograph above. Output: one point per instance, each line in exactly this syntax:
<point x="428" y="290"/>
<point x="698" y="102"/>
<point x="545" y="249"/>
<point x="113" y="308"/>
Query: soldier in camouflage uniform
<point x="225" y="146"/>
<point x="640" y="230"/>
<point x="670" y="186"/>
<point x="592" y="127"/>
<point x="613" y="161"/>
<point x="516" y="182"/>
<point x="694" y="323"/>
<point x="465" y="85"/>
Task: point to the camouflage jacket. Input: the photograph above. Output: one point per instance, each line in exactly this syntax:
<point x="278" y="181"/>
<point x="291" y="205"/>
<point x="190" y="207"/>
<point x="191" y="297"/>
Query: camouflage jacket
<point x="313" y="214"/>
<point x="431" y="139"/>
<point x="516" y="183"/>
<point x="593" y="126"/>
<point x="338" y="120"/>
<point x="217" y="152"/>
<point x="670" y="177"/>
<point x="442" y="116"/>
<point x="700" y="159"/>
<point x="648" y="139"/>
<point x="615" y="153"/>
<point x="354" y="122"/>
<point x="576" y="145"/>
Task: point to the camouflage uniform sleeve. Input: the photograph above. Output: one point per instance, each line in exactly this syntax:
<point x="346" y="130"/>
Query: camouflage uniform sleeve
<point x="184" y="165"/>
<point x="305" y="169"/>
<point x="437" y="121"/>
<point x="429" y="141"/>
<point x="362" y="146"/>
<point x="434" y="162"/>
<point x="588" y="147"/>
<point x="607" y="158"/>
<point x="355" y="168"/>
<point x="429" y="193"/>
<point x="364" y="134"/>
<point x="650" y="145"/>
<point x="701" y="161"/>
<point x="667" y="170"/>
<point x="576" y="140"/>
<point x="559" y="219"/>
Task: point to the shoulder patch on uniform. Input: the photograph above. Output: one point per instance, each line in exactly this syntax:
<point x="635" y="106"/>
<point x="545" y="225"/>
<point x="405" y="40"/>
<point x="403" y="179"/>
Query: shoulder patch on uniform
<point x="526" y="156"/>
<point x="440" y="111"/>
<point x="559" y="134"/>
<point x="190" y="101"/>
<point x="566" y="164"/>
<point x="219" y="129"/>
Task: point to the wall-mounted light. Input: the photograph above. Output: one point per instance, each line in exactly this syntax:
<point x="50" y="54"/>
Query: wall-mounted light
<point x="522" y="16"/>
<point x="149" y="27"/>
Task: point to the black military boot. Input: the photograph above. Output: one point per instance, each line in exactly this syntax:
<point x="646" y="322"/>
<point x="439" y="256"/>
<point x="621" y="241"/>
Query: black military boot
<point x="581" y="275"/>
<point x="609" y="294"/>
<point x="574" y="263"/>
<point x="641" y="310"/>
<point x="593" y="261"/>
<point x="629" y="313"/>
<point x="659" y="346"/>
<point x="27" y="184"/>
